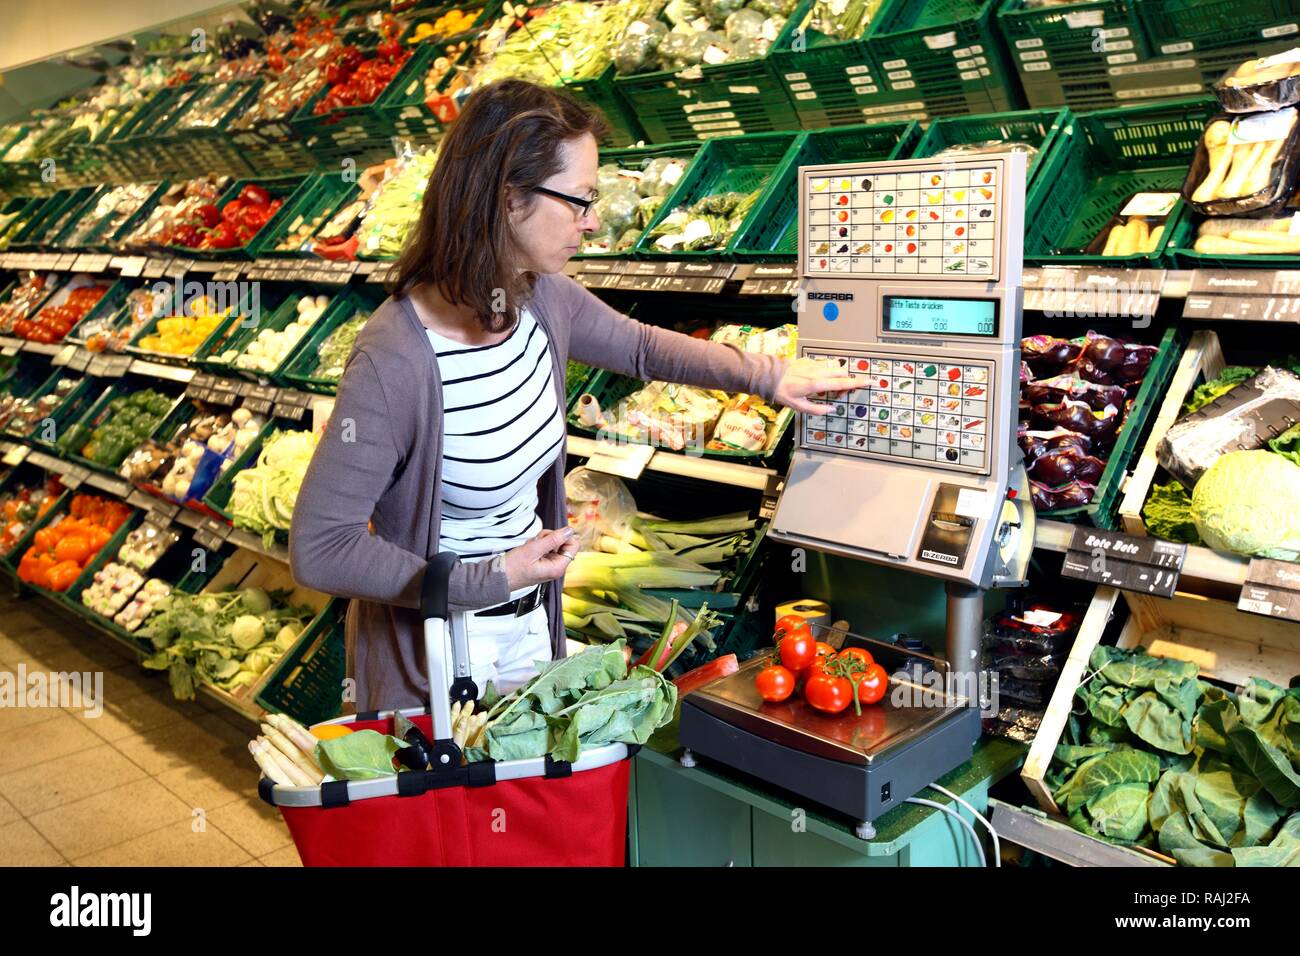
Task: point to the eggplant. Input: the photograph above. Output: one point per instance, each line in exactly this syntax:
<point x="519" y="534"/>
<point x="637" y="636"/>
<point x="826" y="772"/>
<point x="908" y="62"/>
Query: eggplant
<point x="1045" y="352"/>
<point x="1071" y="495"/>
<point x="1059" y="466"/>
<point x="1036" y="443"/>
<point x="1137" y="359"/>
<point x="1104" y="352"/>
<point x="1077" y="416"/>
<point x="1050" y="391"/>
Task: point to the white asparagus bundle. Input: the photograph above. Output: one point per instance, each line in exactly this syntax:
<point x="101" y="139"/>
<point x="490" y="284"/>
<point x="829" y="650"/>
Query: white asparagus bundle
<point x="296" y="732"/>
<point x="269" y="767"/>
<point x="291" y="753"/>
<point x="287" y="769"/>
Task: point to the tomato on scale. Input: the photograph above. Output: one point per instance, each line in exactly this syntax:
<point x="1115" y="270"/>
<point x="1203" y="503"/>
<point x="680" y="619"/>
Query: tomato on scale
<point x="829" y="680"/>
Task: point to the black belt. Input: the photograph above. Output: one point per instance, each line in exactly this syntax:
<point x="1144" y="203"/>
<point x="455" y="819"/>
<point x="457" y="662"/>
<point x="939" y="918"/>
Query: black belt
<point x="519" y="606"/>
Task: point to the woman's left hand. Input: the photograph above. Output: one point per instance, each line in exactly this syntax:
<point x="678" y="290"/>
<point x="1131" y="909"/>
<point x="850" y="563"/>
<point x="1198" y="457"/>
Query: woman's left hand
<point x="804" y="377"/>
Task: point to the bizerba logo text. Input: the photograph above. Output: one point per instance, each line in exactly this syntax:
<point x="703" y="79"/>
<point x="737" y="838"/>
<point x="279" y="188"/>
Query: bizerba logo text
<point x="938" y="556"/>
<point x="830" y="296"/>
<point x="103" y="909"/>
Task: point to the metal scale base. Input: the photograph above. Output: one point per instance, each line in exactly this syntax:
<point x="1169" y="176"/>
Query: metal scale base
<point x="862" y="766"/>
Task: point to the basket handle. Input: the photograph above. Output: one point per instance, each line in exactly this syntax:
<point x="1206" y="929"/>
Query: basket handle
<point x="434" y="608"/>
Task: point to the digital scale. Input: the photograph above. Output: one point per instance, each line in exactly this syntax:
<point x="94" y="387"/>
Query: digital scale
<point x="911" y="272"/>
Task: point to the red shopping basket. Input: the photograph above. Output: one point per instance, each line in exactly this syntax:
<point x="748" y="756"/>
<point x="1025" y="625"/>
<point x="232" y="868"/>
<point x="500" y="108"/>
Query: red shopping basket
<point x="534" y="812"/>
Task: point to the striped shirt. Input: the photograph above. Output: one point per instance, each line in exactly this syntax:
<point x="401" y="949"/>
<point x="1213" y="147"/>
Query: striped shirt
<point x="503" y="430"/>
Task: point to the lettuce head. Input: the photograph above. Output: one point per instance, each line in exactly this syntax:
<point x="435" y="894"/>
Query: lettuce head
<point x="1248" y="502"/>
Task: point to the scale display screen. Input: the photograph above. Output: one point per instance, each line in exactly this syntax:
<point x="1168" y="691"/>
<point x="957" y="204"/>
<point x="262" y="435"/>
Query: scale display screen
<point x="927" y="316"/>
<point x="908" y="408"/>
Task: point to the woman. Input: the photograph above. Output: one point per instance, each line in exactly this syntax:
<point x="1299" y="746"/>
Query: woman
<point x="448" y="432"/>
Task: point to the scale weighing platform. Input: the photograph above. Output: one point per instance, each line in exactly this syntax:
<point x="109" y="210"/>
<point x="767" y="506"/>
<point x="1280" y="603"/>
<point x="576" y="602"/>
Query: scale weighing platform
<point x="911" y="274"/>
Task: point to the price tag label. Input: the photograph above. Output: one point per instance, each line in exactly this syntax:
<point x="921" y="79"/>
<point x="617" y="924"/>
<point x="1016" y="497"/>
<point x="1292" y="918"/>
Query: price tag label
<point x="1144" y="565"/>
<point x="211" y="534"/>
<point x="74" y="476"/>
<point x="622" y="459"/>
<point x="65" y="355"/>
<point x="9" y="351"/>
<point x="15" y="455"/>
<point x="132" y="266"/>
<point x="229" y="273"/>
<point x="80" y="361"/>
<point x="156" y="268"/>
<point x="114" y="486"/>
<point x="1272" y="589"/>
<point x="259" y="406"/>
<point x="138" y="499"/>
<point x="97" y="365"/>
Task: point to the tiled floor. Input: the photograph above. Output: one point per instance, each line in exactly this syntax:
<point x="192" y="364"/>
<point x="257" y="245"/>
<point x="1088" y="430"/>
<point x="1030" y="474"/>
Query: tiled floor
<point x="152" y="781"/>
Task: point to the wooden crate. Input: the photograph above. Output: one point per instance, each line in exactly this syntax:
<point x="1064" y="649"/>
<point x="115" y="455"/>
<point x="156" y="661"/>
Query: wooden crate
<point x="1203" y="360"/>
<point x="1229" y="646"/>
<point x="246" y="569"/>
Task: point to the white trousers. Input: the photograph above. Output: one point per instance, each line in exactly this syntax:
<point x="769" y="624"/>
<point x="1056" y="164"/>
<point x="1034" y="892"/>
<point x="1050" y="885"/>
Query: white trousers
<point x="503" y="649"/>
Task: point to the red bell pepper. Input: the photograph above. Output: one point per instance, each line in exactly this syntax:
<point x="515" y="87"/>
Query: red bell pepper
<point x="253" y="193"/>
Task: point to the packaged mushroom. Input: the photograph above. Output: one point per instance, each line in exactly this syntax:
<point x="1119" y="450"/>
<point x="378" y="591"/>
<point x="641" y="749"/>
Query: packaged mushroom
<point x="201" y="460"/>
<point x="1244" y="164"/>
<point x="1267" y="83"/>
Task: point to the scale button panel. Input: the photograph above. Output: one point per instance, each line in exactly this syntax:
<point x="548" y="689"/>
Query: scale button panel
<point x="914" y="409"/>
<point x="939" y="222"/>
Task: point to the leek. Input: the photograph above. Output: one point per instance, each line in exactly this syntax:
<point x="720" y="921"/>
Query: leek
<point x="722" y="524"/>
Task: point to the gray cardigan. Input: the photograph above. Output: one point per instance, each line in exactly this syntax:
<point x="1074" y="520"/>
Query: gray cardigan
<point x="378" y="464"/>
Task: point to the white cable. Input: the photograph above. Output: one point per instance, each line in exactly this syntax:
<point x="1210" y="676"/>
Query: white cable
<point x="997" y="848"/>
<point x="979" y="846"/>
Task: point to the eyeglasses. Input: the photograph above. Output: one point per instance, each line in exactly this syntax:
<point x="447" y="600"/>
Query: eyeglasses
<point x="583" y="204"/>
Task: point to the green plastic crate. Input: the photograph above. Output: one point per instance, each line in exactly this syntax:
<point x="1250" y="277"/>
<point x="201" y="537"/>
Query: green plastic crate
<point x="217" y="335"/>
<point x="68" y="410"/>
<point x="307" y="682"/>
<point x="43" y="229"/>
<point x="210" y="148"/>
<point x="322" y="195"/>
<point x="297" y="372"/>
<point x="1113" y="154"/>
<point x="725" y="165"/>
<point x="246" y="318"/>
<point x="773" y="232"/>
<point x="404" y="103"/>
<point x="139" y="145"/>
<point x="360" y="134"/>
<point x="1103" y="510"/>
<point x="940" y="49"/>
<point x="218" y="496"/>
<point x="27" y="208"/>
<point x="86" y="576"/>
<point x="726" y="99"/>
<point x="222" y="362"/>
<point x="99" y="413"/>
<point x="609" y="388"/>
<point x="1180" y="26"/>
<point x="101" y="238"/>
<point x="1065" y="35"/>
<point x="9" y="560"/>
<point x="109" y="303"/>
<point x="1184" y="256"/>
<point x="1038" y="128"/>
<point x="72" y="596"/>
<point x="636" y="158"/>
<point x="286" y="188"/>
<point x="273" y="148"/>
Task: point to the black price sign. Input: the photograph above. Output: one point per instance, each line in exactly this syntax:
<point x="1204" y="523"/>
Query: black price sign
<point x="138" y="499"/>
<point x="1125" y="561"/>
<point x="1272" y="589"/>
<point x="80" y="361"/>
<point x="294" y="413"/>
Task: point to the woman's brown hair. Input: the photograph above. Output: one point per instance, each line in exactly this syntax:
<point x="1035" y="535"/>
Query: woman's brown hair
<point x="508" y="134"/>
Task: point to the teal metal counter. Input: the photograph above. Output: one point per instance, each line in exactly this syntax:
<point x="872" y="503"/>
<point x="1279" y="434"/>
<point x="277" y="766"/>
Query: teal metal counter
<point x="709" y="816"/>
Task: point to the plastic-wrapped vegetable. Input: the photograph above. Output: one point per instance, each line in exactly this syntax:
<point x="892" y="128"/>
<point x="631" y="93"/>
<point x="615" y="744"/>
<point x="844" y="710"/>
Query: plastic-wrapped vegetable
<point x="661" y="175"/>
<point x="675" y="50"/>
<point x="1071" y="495"/>
<point x="718" y="10"/>
<point x="1072" y="386"/>
<point x="1062" y="465"/>
<point x="635" y="52"/>
<point x="842" y="19"/>
<point x="682" y="12"/>
<point x="617" y="211"/>
<point x="646" y="209"/>
<point x="744" y="24"/>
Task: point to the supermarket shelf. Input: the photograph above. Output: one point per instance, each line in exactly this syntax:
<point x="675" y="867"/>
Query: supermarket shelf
<point x="251" y="542"/>
<point x="1034" y="830"/>
<point x="176" y="373"/>
<point x="688" y="466"/>
<point x="1201" y="564"/>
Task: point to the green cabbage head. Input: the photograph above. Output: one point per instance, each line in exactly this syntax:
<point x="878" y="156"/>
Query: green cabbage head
<point x="1249" y="503"/>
